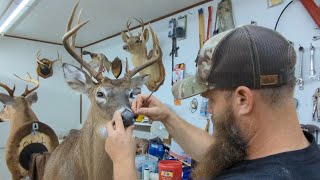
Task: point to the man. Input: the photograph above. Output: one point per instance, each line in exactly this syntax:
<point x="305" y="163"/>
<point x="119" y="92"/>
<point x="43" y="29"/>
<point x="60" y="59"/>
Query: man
<point x="247" y="74"/>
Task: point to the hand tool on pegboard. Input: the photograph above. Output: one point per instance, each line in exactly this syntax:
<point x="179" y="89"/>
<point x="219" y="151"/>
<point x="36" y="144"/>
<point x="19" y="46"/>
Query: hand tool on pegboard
<point x="316" y="105"/>
<point x="209" y="22"/>
<point x="201" y="27"/>
<point x="300" y="81"/>
<point x="313" y="10"/>
<point x="174" y="50"/>
<point x="312" y="70"/>
<point x="313" y="129"/>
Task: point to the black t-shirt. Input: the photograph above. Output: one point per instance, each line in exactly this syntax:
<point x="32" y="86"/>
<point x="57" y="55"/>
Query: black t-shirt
<point x="300" y="164"/>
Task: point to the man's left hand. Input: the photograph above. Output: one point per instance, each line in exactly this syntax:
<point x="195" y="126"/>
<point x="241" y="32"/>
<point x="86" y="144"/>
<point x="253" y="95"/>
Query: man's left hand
<point x="120" y="144"/>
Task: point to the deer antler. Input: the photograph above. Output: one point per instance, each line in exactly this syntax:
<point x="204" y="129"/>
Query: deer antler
<point x="59" y="58"/>
<point x="9" y="90"/>
<point x="30" y="80"/>
<point x="71" y="47"/>
<point x="142" y="24"/>
<point x="128" y="27"/>
<point x="38" y="58"/>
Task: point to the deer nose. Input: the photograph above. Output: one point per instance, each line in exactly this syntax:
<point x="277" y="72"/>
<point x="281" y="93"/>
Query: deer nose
<point x="125" y="47"/>
<point x="128" y="117"/>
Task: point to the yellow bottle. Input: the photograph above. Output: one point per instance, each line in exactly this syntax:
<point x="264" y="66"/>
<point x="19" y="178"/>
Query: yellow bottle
<point x="140" y="118"/>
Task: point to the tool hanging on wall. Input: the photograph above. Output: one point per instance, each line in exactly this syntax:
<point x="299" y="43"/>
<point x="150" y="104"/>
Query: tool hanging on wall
<point x="174" y="49"/>
<point x="313" y="10"/>
<point x="225" y="16"/>
<point x="181" y="27"/>
<point x="313" y="129"/>
<point x="300" y="81"/>
<point x="201" y="27"/>
<point x="316" y="105"/>
<point x="194" y="105"/>
<point x="209" y="22"/>
<point x="215" y="30"/>
<point x="312" y="71"/>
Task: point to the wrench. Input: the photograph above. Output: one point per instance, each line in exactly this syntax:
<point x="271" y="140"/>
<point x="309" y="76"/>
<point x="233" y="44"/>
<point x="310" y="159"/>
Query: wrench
<point x="312" y="71"/>
<point x="300" y="81"/>
<point x="316" y="38"/>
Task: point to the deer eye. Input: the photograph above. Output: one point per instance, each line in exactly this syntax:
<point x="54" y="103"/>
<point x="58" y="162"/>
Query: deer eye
<point x="100" y="94"/>
<point x="137" y="41"/>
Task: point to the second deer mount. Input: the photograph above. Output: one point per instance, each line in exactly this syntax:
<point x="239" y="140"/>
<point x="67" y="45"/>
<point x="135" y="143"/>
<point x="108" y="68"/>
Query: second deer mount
<point x="97" y="58"/>
<point x="45" y="66"/>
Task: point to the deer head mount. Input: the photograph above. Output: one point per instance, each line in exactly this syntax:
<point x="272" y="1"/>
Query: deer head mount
<point x="136" y="46"/>
<point x="96" y="58"/>
<point x="84" y="149"/>
<point x="10" y="99"/>
<point x="45" y="66"/>
<point x="24" y="139"/>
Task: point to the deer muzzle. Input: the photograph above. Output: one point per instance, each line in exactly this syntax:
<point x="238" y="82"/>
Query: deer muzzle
<point x="128" y="117"/>
<point x="125" y="47"/>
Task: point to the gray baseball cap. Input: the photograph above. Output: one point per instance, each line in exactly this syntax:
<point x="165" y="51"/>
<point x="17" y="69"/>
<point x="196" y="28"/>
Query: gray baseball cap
<point x="249" y="55"/>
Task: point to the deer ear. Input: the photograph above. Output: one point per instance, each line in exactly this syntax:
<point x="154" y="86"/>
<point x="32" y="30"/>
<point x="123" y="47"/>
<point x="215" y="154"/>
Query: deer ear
<point x="146" y="35"/>
<point x="6" y="99"/>
<point x="125" y="37"/>
<point x="77" y="79"/>
<point x="32" y="97"/>
<point x="138" y="81"/>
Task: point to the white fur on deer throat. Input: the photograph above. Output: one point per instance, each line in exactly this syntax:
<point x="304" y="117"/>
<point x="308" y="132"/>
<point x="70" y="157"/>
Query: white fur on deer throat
<point x="102" y="130"/>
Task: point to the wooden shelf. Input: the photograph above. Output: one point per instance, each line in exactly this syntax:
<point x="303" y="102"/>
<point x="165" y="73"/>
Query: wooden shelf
<point x="142" y="124"/>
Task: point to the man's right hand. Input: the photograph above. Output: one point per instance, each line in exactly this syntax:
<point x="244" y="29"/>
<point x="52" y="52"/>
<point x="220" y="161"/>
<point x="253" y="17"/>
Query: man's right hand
<point x="153" y="108"/>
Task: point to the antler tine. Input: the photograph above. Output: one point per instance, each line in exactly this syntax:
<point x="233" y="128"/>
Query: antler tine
<point x="30" y="80"/>
<point x="128" y="27"/>
<point x="75" y="34"/>
<point x="9" y="90"/>
<point x="70" y="48"/>
<point x="59" y="58"/>
<point x="38" y="55"/>
<point x="142" y="24"/>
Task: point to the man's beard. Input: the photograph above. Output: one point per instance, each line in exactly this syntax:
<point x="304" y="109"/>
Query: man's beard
<point x="229" y="147"/>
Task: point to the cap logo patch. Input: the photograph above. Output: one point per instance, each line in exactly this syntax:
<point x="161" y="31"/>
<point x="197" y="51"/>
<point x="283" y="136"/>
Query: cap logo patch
<point x="266" y="80"/>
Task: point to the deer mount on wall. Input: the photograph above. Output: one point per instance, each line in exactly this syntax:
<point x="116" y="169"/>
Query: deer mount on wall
<point x="45" y="66"/>
<point x="98" y="58"/>
<point x="28" y="136"/>
<point x="136" y="46"/>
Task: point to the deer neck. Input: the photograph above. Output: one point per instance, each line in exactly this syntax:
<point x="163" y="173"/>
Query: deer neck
<point x="94" y="127"/>
<point x="19" y="118"/>
<point x="139" y="56"/>
<point x="93" y="141"/>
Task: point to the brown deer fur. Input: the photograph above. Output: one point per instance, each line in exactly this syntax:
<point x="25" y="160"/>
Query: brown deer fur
<point x="81" y="155"/>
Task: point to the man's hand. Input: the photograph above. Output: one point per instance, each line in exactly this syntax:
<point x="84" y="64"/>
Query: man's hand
<point x="120" y="144"/>
<point x="153" y="108"/>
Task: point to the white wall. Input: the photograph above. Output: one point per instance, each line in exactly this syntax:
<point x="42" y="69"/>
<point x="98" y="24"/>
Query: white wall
<point x="58" y="106"/>
<point x="295" y="24"/>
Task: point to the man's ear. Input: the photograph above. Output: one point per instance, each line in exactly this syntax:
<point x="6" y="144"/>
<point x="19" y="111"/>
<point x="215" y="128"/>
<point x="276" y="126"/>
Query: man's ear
<point x="77" y="79"/>
<point x="32" y="98"/>
<point x="6" y="99"/>
<point x="124" y="36"/>
<point x="243" y="97"/>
